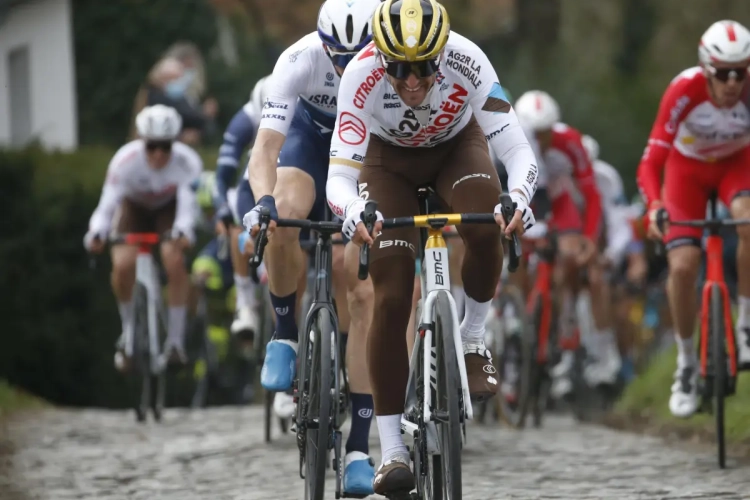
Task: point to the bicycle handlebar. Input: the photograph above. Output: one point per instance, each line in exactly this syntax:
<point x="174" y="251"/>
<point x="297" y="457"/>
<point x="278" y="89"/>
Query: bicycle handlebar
<point x="437" y="221"/>
<point x="327" y="227"/>
<point x="662" y="218"/>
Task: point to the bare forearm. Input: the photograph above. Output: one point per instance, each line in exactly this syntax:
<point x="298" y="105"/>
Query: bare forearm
<point x="262" y="167"/>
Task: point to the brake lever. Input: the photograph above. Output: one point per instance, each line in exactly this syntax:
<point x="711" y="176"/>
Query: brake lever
<point x="369" y="216"/>
<point x="508" y="209"/>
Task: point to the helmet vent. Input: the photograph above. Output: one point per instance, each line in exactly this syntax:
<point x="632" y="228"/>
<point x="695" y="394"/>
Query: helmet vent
<point x="717" y="49"/>
<point x="336" y="34"/>
<point x="350" y="29"/>
<point x="364" y="33"/>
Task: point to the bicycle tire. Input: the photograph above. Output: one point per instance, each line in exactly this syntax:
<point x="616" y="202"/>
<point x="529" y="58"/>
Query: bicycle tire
<point x="319" y="406"/>
<point x="515" y="415"/>
<point x="267" y="413"/>
<point x="536" y="401"/>
<point x="200" y="396"/>
<point x="448" y="400"/>
<point x="717" y="338"/>
<point x="140" y="355"/>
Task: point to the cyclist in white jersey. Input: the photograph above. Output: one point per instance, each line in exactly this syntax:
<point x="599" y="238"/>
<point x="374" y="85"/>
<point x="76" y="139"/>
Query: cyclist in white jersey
<point x="288" y="170"/>
<point x="152" y="182"/>
<point x="419" y="106"/>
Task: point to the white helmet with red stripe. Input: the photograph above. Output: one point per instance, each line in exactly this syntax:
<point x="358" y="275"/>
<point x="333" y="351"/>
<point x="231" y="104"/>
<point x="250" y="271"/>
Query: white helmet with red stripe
<point x="537" y="110"/>
<point x="724" y="42"/>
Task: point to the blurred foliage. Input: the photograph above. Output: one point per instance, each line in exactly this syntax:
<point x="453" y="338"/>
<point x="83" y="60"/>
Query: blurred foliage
<point x="60" y="320"/>
<point x="118" y="41"/>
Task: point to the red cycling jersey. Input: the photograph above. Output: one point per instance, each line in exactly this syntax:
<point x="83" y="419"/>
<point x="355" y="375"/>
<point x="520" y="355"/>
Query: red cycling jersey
<point x="689" y="121"/>
<point x="700" y="148"/>
<point x="571" y="173"/>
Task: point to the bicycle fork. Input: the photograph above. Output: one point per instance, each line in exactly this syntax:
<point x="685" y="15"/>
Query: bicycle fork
<point x="145" y="274"/>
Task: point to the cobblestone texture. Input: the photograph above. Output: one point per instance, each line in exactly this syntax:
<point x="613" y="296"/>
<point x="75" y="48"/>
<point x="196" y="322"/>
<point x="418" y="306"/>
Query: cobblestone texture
<point x="220" y="454"/>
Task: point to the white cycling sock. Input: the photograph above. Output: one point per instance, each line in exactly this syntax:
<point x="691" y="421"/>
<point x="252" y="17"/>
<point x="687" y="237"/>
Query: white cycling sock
<point x="743" y="308"/>
<point x="176" y="325"/>
<point x="391" y="441"/>
<point x="126" y="315"/>
<point x="245" y="288"/>
<point x="460" y="297"/>
<point x="472" y="327"/>
<point x="685" y="351"/>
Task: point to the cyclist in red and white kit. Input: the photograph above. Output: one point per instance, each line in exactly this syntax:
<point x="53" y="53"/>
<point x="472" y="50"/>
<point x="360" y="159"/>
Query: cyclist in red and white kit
<point x="700" y="142"/>
<point x="577" y="218"/>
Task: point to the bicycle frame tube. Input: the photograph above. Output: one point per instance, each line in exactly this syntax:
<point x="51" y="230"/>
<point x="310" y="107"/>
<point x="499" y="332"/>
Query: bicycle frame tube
<point x="145" y="273"/>
<point x="542" y="287"/>
<point x="715" y="276"/>
<point x="436" y="278"/>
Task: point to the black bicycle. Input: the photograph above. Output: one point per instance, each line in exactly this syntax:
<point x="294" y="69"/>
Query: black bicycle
<point x="319" y="388"/>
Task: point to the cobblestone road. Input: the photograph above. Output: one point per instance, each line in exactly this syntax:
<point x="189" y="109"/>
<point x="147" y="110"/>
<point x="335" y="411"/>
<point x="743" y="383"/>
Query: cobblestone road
<point x="220" y="454"/>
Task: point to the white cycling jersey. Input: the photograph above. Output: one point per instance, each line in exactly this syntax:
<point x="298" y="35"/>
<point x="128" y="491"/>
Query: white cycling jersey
<point x="304" y="75"/>
<point x="616" y="211"/>
<point x="466" y="84"/>
<point x="129" y="176"/>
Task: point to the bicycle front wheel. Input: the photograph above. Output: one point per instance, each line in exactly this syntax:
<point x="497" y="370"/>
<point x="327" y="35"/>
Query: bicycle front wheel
<point x="141" y="368"/>
<point x="717" y="338"/>
<point x="448" y="402"/>
<point x="318" y="416"/>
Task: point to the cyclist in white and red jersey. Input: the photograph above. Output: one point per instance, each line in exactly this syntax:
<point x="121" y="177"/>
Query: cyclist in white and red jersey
<point x="700" y="142"/>
<point x="152" y="182"/>
<point x="419" y="106"/>
<point x="578" y="219"/>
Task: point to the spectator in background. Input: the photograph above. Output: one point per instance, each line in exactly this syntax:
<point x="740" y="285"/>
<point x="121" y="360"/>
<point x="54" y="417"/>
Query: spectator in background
<point x="192" y="60"/>
<point x="167" y="84"/>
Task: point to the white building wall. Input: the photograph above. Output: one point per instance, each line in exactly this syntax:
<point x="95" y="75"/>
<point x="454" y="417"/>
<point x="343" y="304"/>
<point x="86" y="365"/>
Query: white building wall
<point x="45" y="28"/>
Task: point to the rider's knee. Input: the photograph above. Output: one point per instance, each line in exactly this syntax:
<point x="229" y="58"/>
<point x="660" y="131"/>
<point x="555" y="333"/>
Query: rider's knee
<point x="173" y="261"/>
<point x="361" y="294"/>
<point x="123" y="264"/>
<point x="684" y="262"/>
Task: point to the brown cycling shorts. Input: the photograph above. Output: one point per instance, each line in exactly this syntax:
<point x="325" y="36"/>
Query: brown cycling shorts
<point x="460" y="170"/>
<point x="135" y="218"/>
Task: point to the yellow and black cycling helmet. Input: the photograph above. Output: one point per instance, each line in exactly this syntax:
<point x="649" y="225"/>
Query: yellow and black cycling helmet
<point x="410" y="31"/>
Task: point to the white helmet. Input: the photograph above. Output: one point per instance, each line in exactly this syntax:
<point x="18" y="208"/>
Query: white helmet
<point x="591" y="146"/>
<point x="537" y="110"/>
<point x="726" y="42"/>
<point x="158" y="123"/>
<point x="258" y="96"/>
<point x="344" y="25"/>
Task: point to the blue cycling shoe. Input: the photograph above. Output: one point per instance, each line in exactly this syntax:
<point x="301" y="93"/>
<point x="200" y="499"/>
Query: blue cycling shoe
<point x="280" y="365"/>
<point x="359" y="473"/>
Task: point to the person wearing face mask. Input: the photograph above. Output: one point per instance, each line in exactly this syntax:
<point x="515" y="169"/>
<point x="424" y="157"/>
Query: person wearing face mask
<point x="167" y="84"/>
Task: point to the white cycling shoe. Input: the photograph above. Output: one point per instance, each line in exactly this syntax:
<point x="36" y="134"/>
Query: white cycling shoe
<point x="284" y="405"/>
<point x="246" y="321"/>
<point x="743" y="346"/>
<point x="684" y="400"/>
<point x="605" y="366"/>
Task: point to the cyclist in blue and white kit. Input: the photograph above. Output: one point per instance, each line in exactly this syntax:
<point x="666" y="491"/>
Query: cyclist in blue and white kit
<point x="238" y="136"/>
<point x="288" y="172"/>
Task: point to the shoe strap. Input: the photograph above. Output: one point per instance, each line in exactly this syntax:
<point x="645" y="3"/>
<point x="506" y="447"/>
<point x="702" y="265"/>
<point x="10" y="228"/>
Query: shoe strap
<point x="478" y="349"/>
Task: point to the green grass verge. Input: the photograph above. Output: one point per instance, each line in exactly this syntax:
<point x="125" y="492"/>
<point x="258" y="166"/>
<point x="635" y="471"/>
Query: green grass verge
<point x="647" y="398"/>
<point x="12" y="400"/>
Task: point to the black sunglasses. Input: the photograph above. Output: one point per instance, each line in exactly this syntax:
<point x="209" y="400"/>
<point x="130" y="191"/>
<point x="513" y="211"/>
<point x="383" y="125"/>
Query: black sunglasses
<point x="402" y="69"/>
<point x="165" y="146"/>
<point x="724" y="74"/>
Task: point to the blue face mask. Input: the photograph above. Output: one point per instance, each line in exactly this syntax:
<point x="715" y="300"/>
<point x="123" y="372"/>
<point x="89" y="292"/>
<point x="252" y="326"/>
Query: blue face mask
<point x="177" y="88"/>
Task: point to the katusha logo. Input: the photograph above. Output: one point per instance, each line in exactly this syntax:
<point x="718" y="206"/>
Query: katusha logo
<point x="351" y="129"/>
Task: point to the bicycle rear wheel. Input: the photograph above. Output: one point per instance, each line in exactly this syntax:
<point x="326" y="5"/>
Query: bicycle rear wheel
<point x="448" y="401"/>
<point x="317" y="417"/>
<point x="515" y="363"/>
<point x="141" y="369"/>
<point x="717" y="339"/>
